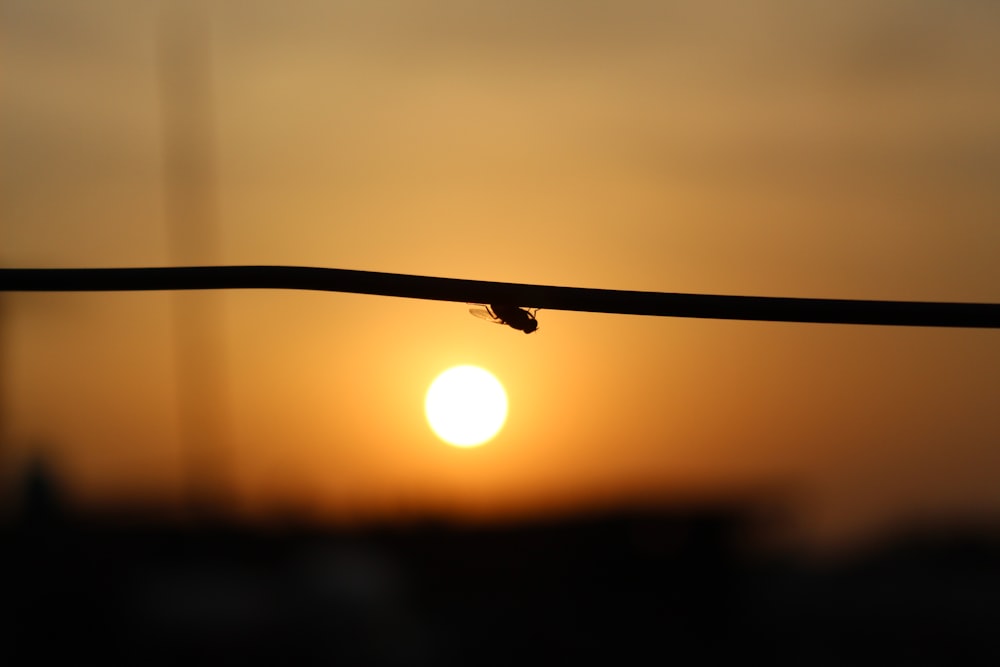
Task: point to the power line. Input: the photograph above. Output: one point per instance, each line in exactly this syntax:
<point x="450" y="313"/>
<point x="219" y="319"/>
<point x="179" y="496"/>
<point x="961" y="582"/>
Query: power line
<point x="548" y="297"/>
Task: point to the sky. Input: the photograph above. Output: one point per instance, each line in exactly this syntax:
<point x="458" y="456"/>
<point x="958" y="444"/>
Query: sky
<point x="776" y="148"/>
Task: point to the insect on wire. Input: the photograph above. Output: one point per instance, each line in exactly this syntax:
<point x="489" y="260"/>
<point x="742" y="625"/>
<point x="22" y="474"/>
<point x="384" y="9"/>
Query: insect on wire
<point x="522" y="319"/>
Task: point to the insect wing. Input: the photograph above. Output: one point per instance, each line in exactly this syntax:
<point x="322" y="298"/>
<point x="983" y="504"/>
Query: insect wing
<point x="484" y="314"/>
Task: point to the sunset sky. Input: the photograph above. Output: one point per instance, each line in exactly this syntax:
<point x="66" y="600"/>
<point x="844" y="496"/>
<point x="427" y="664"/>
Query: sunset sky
<point x="843" y="149"/>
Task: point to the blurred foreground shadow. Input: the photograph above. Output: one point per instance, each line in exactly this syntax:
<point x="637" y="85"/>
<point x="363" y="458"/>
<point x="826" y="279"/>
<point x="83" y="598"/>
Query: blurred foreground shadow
<point x="677" y="584"/>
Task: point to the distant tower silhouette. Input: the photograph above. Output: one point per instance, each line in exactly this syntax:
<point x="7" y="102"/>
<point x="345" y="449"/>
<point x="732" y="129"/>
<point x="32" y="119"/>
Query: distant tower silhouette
<point x="39" y="504"/>
<point x="190" y="201"/>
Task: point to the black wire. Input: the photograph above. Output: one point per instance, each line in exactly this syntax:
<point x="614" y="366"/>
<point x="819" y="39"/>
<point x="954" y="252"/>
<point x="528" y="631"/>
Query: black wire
<point x="626" y="302"/>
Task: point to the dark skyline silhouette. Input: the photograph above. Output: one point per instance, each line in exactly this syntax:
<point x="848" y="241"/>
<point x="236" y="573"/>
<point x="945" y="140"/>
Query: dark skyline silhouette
<point x="688" y="583"/>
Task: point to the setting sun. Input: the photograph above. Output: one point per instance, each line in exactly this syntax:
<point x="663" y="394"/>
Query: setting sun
<point x="466" y="406"/>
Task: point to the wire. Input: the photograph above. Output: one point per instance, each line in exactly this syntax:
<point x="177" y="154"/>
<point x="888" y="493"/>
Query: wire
<point x="626" y="302"/>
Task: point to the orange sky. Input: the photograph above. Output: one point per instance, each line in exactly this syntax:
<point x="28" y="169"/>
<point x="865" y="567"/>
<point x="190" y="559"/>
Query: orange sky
<point x="847" y="150"/>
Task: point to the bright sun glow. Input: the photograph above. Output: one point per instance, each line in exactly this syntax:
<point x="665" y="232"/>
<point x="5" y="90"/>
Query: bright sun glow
<point x="466" y="406"/>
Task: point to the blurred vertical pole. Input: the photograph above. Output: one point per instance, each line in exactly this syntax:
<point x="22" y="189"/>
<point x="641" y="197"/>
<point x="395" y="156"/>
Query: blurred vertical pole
<point x="193" y="237"/>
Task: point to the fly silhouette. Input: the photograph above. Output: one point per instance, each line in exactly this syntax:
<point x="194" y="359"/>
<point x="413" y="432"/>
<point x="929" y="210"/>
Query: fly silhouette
<point x="522" y="319"/>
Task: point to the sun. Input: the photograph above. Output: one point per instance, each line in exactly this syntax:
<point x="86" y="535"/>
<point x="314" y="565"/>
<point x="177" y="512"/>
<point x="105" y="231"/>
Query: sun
<point x="466" y="406"/>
